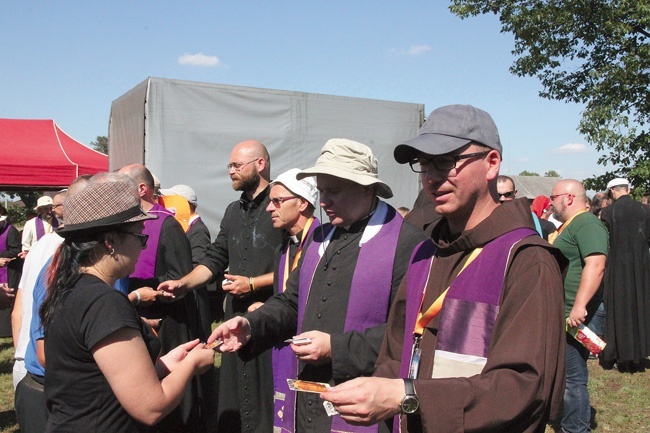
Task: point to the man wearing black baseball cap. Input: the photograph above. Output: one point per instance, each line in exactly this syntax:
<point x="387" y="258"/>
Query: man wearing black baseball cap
<point x="491" y="357"/>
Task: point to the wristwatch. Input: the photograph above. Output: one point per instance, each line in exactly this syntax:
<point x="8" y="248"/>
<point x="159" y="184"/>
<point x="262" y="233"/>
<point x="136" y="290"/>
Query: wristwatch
<point x="410" y="402"/>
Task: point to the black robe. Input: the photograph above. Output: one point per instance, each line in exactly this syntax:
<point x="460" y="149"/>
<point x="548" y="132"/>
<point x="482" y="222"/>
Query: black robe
<point x="627" y="281"/>
<point x="353" y="353"/>
<point x="245" y="246"/>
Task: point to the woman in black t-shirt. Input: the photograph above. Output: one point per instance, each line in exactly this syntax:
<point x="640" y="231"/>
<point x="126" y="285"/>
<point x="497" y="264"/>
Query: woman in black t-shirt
<point x="103" y="372"/>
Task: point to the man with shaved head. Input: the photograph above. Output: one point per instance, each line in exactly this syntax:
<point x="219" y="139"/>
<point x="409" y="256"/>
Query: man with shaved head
<point x="583" y="239"/>
<point x="245" y="248"/>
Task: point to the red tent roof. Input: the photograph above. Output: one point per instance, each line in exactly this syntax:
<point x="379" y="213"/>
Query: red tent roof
<point x="37" y="154"/>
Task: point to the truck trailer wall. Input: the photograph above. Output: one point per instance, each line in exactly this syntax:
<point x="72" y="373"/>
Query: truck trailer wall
<point x="184" y="131"/>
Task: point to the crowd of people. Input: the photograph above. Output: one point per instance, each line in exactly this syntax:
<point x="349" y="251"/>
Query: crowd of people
<point x="340" y="313"/>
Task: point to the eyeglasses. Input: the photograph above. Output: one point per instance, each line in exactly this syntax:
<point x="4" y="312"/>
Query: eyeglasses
<point x="509" y="194"/>
<point x="56" y="205"/>
<point x="239" y="165"/>
<point x="442" y="162"/>
<point x="141" y="236"/>
<point x="553" y="197"/>
<point x="277" y="201"/>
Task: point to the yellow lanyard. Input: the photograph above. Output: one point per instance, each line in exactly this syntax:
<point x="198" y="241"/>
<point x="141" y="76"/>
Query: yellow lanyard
<point x="303" y="237"/>
<point x="434" y="309"/>
<point x="553" y="236"/>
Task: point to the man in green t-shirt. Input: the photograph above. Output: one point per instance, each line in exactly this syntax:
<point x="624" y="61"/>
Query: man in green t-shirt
<point x="583" y="239"/>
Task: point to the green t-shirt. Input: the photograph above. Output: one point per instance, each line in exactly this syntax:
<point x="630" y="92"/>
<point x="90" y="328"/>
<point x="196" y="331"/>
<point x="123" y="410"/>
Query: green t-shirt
<point x="584" y="236"/>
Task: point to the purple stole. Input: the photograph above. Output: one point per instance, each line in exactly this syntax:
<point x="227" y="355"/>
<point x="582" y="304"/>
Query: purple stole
<point x="40" y="228"/>
<point x="369" y="299"/>
<point x="4" y="232"/>
<point x="472" y="302"/>
<point x="471" y="306"/>
<point x="146" y="266"/>
<point x="284" y="365"/>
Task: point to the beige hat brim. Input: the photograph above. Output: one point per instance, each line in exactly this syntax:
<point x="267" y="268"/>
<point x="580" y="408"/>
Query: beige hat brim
<point x="383" y="190"/>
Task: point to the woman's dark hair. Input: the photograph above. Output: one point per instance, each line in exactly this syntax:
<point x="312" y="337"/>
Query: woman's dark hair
<point x="64" y="271"/>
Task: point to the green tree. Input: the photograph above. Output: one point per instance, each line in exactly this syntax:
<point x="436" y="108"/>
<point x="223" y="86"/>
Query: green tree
<point x="552" y="173"/>
<point x="528" y="173"/>
<point x="591" y="52"/>
<point x="17" y="214"/>
<point x="101" y="144"/>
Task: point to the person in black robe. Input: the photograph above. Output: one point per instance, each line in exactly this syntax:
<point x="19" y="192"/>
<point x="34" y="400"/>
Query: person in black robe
<point x="627" y="280"/>
<point x="243" y="253"/>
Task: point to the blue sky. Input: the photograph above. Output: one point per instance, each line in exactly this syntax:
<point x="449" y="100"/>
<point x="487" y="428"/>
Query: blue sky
<point x="68" y="60"/>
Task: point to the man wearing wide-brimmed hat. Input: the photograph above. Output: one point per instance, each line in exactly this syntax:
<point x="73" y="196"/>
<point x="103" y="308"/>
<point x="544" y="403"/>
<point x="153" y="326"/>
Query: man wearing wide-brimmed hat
<point x="627" y="280"/>
<point x="338" y="299"/>
<point x="475" y="337"/>
<point x="43" y="223"/>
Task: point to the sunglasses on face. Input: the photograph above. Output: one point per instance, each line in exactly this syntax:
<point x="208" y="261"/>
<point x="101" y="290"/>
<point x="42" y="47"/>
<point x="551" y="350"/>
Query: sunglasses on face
<point x="277" y="201"/>
<point x="141" y="236"/>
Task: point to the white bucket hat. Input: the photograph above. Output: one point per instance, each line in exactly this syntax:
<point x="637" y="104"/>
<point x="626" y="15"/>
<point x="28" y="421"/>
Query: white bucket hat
<point x="184" y="191"/>
<point x="349" y="160"/>
<point x="43" y="201"/>
<point x="305" y="188"/>
<point x="619" y="181"/>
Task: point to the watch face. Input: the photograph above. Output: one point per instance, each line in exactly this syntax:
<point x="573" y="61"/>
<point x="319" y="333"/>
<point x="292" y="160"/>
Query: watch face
<point x="410" y="404"/>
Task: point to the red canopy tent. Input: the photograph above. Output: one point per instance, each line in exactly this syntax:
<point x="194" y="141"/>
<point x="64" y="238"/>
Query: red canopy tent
<point x="38" y="155"/>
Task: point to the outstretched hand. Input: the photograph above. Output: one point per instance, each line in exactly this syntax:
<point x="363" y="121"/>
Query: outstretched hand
<point x="234" y="333"/>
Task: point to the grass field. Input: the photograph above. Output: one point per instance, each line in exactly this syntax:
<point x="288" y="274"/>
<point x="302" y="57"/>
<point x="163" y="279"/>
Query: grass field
<point x="620" y="401"/>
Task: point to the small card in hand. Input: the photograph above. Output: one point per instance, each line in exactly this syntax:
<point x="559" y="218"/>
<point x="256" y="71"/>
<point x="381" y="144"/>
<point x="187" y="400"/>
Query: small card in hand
<point x="214" y="345"/>
<point x="298" y="341"/>
<point x="307" y="386"/>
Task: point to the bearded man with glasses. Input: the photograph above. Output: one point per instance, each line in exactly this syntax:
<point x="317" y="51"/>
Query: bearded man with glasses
<point x="243" y="253"/>
<point x="491" y="356"/>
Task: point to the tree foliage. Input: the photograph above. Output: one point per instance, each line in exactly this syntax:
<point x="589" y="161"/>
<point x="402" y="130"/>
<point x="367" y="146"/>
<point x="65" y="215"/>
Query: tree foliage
<point x="101" y="144"/>
<point x="18" y="214"/>
<point x="591" y="52"/>
<point x="552" y="173"/>
<point x="528" y="173"/>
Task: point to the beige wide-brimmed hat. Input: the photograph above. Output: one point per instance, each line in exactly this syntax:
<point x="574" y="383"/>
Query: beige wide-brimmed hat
<point x="43" y="201"/>
<point x="100" y="207"/>
<point x="349" y="160"/>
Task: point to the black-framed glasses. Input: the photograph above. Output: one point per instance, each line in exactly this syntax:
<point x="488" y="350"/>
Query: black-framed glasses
<point x="553" y="197"/>
<point x="442" y="162"/>
<point x="143" y="238"/>
<point x="508" y="194"/>
<point x="239" y="165"/>
<point x="277" y="201"/>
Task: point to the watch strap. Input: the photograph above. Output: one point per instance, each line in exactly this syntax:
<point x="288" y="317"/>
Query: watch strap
<point x="409" y="387"/>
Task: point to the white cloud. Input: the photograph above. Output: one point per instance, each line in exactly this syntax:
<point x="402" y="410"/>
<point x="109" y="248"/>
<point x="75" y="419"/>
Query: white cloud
<point x="572" y="148"/>
<point x="199" y="59"/>
<point x="416" y="50"/>
<point x="413" y="50"/>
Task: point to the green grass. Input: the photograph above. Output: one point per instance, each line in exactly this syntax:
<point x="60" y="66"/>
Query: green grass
<point x="620" y="400"/>
<point x="8" y="422"/>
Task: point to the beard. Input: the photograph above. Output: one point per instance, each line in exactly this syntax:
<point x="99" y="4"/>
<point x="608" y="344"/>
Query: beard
<point x="247" y="183"/>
